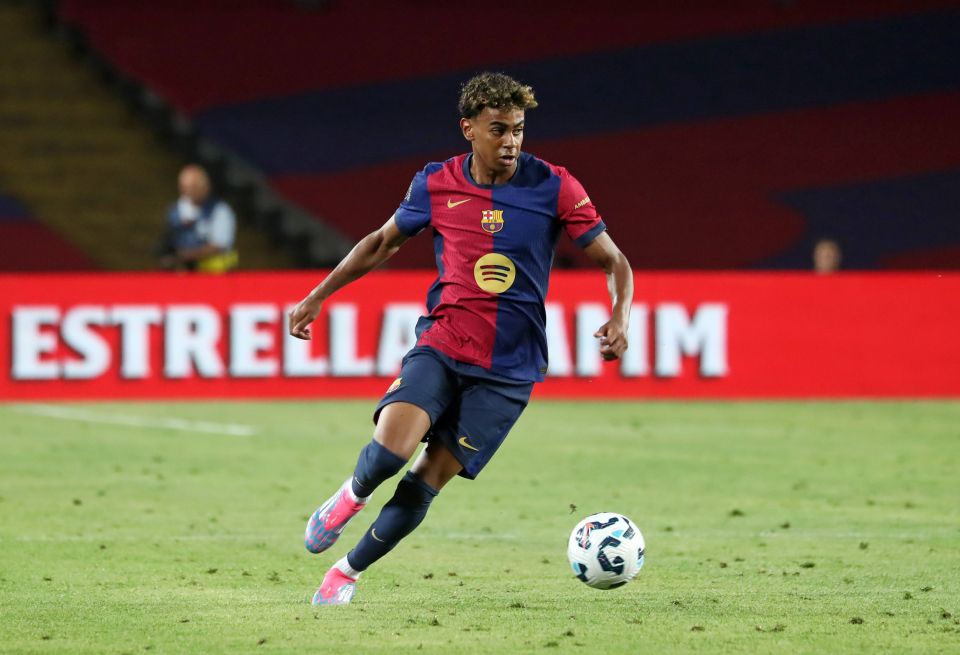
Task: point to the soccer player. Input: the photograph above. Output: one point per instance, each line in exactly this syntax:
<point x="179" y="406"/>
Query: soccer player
<point x="495" y="214"/>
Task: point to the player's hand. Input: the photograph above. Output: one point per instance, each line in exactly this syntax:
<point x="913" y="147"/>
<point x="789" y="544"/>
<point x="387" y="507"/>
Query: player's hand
<point x="302" y="316"/>
<point x="613" y="339"/>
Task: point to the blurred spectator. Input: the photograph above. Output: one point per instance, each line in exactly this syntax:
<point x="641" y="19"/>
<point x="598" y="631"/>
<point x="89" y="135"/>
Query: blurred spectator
<point x="200" y="228"/>
<point x="826" y="256"/>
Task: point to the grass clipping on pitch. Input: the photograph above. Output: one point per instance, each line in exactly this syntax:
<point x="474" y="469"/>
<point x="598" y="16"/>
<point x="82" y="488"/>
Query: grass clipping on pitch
<point x="829" y="527"/>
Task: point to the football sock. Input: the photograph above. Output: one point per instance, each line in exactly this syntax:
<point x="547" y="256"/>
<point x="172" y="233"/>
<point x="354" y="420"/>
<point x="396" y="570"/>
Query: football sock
<point x="344" y="566"/>
<point x="398" y="518"/>
<point x="360" y="500"/>
<point x="375" y="465"/>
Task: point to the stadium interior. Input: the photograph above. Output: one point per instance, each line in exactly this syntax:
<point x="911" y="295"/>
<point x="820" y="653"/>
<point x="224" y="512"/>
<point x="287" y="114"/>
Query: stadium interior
<point x="762" y="130"/>
<point x="757" y="404"/>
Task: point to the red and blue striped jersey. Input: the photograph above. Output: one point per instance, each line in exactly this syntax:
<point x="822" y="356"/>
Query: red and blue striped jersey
<point x="494" y="248"/>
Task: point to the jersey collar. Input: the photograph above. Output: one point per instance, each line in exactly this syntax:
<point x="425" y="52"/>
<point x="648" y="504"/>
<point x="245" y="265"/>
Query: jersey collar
<point x="469" y="177"/>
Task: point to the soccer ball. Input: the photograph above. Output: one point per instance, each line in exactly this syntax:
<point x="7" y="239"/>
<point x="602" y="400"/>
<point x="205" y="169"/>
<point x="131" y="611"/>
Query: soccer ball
<point x="605" y="550"/>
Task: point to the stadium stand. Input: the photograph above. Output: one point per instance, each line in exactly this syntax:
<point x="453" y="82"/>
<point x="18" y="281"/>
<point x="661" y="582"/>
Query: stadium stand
<point x="26" y="244"/>
<point x="86" y="181"/>
<point x="712" y="137"/>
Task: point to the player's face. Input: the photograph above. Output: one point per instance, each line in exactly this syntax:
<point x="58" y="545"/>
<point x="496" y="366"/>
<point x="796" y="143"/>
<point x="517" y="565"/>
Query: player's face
<point x="496" y="136"/>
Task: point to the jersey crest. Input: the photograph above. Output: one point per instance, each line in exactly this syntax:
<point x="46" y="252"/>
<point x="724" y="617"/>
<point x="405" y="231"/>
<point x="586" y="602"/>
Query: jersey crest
<point x="491" y="220"/>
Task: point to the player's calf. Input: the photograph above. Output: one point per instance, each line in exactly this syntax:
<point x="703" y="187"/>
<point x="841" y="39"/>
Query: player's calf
<point x="375" y="464"/>
<point x="398" y="518"/>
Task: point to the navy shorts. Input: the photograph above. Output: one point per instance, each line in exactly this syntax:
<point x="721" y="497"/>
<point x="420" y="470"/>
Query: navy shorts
<point x="469" y="415"/>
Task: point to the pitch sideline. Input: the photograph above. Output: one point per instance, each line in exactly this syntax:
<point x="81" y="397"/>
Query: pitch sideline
<point x="130" y="420"/>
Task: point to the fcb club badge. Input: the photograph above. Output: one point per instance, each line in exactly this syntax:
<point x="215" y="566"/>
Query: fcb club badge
<point x="491" y="220"/>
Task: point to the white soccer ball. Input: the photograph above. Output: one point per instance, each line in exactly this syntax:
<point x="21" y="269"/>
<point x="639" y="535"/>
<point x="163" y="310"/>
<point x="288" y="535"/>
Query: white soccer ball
<point x="605" y="550"/>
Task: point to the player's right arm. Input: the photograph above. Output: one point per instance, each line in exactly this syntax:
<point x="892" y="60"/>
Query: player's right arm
<point x="372" y="250"/>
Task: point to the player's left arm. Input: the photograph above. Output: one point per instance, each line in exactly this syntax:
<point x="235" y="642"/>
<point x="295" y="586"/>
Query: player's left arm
<point x="613" y="334"/>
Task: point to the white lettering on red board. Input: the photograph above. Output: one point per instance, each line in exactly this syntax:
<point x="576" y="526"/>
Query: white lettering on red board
<point x="250" y="340"/>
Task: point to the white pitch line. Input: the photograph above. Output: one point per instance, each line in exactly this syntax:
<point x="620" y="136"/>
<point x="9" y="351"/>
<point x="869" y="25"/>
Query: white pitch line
<point x="100" y="538"/>
<point x="129" y="420"/>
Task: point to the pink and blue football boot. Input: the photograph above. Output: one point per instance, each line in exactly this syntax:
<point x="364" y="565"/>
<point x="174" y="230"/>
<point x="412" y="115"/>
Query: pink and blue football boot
<point x="326" y="524"/>
<point x="337" y="588"/>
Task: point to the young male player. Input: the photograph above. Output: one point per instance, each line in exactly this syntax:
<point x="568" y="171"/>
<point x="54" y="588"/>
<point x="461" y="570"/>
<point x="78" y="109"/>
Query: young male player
<point x="495" y="214"/>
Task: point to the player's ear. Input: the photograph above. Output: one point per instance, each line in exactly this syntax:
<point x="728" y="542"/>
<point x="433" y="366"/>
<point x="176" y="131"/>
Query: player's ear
<point x="466" y="126"/>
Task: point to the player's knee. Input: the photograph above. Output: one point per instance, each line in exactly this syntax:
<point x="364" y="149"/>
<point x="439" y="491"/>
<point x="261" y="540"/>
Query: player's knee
<point x="412" y="492"/>
<point x="375" y="464"/>
<point x="400" y="428"/>
<point x="405" y="510"/>
<point x="437" y="465"/>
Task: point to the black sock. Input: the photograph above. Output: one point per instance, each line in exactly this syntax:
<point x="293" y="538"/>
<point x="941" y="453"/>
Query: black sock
<point x="375" y="465"/>
<point x="398" y="518"/>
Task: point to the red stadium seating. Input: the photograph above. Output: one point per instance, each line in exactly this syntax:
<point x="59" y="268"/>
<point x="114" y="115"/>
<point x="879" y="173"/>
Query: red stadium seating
<point x="28" y="245"/>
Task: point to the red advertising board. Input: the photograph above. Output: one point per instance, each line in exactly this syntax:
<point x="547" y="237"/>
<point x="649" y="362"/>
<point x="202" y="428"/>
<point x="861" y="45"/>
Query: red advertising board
<point x="693" y="335"/>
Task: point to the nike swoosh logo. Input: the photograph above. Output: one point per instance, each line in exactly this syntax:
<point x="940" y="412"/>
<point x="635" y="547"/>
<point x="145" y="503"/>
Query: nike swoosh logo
<point x="373" y="533"/>
<point x="463" y="442"/>
<point x="451" y="204"/>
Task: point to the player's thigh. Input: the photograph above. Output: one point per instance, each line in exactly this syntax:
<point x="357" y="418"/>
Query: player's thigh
<point x="413" y="403"/>
<point x="401" y="427"/>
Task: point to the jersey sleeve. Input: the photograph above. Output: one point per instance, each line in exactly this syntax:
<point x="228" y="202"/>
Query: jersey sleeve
<point x="413" y="214"/>
<point x="576" y="211"/>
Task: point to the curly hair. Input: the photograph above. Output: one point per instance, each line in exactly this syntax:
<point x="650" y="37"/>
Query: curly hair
<point x="495" y="90"/>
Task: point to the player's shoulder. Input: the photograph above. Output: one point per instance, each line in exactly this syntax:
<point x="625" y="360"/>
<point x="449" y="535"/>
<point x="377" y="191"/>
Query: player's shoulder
<point x="446" y="167"/>
<point x="432" y="176"/>
<point x="535" y="170"/>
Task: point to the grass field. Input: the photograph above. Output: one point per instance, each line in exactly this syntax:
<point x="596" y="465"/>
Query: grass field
<point x="807" y="527"/>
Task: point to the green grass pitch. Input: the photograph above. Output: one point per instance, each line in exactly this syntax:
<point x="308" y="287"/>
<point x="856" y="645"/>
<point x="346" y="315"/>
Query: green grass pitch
<point x="789" y="527"/>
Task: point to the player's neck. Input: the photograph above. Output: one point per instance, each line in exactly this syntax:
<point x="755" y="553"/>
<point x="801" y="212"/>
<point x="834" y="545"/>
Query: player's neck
<point x="482" y="174"/>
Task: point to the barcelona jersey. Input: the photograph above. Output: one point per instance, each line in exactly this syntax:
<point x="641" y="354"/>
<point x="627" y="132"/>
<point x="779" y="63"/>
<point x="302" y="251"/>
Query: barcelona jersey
<point x="494" y="248"/>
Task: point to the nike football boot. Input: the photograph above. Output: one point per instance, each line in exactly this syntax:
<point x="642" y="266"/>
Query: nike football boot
<point x="326" y="524"/>
<point x="337" y="588"/>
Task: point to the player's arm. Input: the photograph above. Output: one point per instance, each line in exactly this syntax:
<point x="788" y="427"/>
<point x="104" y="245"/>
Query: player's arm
<point x="372" y="250"/>
<point x="613" y="334"/>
